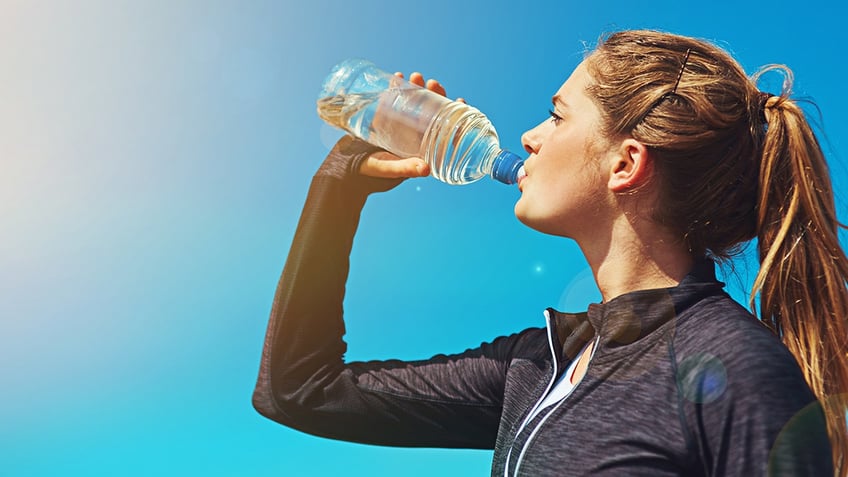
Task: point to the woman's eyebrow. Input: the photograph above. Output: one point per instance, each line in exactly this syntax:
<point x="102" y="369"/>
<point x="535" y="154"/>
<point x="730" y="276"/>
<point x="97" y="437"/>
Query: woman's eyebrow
<point x="557" y="100"/>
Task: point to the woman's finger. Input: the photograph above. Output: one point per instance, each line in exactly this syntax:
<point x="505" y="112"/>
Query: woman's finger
<point x="436" y="87"/>
<point x="431" y="84"/>
<point x="388" y="166"/>
<point x="417" y="78"/>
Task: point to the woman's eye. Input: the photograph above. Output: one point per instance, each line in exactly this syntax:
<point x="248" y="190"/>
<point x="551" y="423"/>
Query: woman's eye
<point x="555" y="118"/>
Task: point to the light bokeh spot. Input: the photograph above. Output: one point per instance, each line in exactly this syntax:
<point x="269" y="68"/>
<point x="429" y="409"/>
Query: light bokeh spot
<point x="702" y="378"/>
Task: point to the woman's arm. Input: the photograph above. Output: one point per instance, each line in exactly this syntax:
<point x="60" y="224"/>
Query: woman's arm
<point x="446" y="401"/>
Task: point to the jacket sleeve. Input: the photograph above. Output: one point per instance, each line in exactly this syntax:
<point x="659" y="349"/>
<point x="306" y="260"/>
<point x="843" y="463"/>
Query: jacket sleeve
<point x="304" y="383"/>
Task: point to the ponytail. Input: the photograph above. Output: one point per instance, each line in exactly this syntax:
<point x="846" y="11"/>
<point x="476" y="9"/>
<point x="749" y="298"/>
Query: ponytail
<point x="803" y="270"/>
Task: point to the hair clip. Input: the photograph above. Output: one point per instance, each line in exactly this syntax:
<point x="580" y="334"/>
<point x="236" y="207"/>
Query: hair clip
<point x="682" y="67"/>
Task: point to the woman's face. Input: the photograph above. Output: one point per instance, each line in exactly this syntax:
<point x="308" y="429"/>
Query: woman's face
<point x="565" y="190"/>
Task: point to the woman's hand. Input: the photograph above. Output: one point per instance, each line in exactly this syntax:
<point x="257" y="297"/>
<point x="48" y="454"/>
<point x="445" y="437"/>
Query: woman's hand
<point x="387" y="165"/>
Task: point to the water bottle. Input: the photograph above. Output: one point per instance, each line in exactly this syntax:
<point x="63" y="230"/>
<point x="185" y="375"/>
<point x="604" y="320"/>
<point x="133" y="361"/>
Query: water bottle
<point x="457" y="140"/>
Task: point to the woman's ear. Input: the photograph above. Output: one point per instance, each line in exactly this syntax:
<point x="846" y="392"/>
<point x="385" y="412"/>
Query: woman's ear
<point x="631" y="166"/>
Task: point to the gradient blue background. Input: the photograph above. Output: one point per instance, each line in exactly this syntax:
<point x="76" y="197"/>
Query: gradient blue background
<point x="155" y="156"/>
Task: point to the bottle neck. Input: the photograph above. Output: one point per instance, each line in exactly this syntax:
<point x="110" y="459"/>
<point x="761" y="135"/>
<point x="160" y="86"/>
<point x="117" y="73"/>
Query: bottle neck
<point x="506" y="166"/>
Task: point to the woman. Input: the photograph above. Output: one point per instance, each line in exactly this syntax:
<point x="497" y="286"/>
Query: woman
<point x="660" y="157"/>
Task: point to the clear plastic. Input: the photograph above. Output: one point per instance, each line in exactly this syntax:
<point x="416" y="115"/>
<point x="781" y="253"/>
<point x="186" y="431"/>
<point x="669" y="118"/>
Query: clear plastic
<point x="457" y="140"/>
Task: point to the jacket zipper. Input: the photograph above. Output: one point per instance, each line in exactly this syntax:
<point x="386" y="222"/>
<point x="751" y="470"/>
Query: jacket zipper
<point x="532" y="412"/>
<point x="549" y="413"/>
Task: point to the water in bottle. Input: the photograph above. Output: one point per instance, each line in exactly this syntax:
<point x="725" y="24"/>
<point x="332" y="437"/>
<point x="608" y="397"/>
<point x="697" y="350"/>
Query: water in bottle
<point x="457" y="140"/>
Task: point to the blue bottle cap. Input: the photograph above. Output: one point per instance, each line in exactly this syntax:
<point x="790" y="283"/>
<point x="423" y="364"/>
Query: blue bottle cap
<point x="506" y="166"/>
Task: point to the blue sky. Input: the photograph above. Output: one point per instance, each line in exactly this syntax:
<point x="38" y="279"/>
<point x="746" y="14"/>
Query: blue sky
<point x="155" y="156"/>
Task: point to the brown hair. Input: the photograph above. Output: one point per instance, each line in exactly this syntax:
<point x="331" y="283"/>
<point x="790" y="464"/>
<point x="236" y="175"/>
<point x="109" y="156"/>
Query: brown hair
<point x="734" y="164"/>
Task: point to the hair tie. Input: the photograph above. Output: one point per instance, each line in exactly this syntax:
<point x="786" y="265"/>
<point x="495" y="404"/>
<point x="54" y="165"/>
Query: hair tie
<point x="762" y="99"/>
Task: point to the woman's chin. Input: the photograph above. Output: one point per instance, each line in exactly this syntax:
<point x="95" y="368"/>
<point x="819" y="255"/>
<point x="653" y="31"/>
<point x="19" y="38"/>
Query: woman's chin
<point x="521" y="213"/>
<point x="529" y="219"/>
<point x="545" y="224"/>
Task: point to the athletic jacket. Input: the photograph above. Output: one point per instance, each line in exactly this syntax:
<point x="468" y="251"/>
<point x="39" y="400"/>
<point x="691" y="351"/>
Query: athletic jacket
<point x="683" y="380"/>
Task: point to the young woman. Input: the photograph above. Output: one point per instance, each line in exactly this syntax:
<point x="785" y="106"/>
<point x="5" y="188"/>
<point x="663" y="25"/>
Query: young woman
<point x="660" y="157"/>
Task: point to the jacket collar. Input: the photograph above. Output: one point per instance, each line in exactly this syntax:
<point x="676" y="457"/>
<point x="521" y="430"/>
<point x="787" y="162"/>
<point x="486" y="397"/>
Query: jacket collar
<point x="631" y="317"/>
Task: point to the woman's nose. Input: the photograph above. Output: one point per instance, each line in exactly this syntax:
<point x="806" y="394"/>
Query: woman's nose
<point x="531" y="140"/>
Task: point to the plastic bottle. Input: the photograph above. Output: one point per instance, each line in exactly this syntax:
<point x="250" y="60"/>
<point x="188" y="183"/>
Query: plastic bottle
<point x="457" y="140"/>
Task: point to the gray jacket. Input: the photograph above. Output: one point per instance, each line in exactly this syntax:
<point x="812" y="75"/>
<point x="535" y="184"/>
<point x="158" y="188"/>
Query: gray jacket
<point x="683" y="381"/>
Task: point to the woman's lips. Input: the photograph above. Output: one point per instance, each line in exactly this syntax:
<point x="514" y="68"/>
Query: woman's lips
<point x="521" y="175"/>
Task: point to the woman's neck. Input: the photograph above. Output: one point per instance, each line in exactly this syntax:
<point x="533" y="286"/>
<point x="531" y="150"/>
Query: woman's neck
<point x="635" y="260"/>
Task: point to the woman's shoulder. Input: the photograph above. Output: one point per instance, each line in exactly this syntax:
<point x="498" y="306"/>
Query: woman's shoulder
<point x="743" y="392"/>
<point x="719" y="334"/>
<point x="718" y="319"/>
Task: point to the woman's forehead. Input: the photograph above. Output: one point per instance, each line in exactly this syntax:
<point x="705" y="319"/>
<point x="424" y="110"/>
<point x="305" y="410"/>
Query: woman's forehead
<point x="574" y="88"/>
